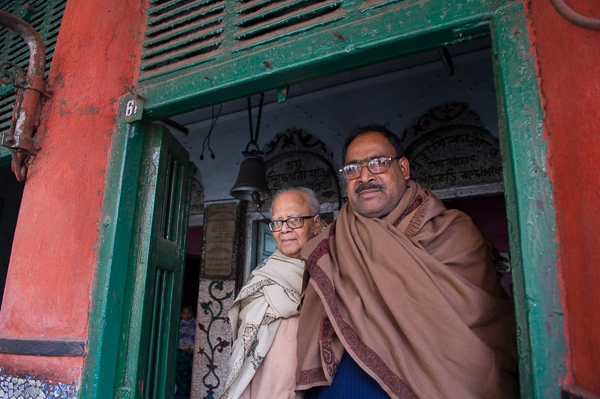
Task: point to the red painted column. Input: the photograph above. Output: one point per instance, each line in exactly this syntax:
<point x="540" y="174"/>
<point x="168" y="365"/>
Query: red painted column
<point x="568" y="61"/>
<point x="53" y="258"/>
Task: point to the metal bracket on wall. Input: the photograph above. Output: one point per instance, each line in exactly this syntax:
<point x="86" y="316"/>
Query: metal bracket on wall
<point x="30" y="87"/>
<point x="573" y="17"/>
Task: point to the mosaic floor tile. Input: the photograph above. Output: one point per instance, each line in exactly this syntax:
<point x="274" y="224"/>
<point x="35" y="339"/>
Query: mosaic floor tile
<point x="29" y="387"/>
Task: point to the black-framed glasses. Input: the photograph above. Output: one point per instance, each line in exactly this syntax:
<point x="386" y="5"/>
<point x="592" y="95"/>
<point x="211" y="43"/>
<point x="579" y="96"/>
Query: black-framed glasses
<point x="293" y="223"/>
<point x="375" y="165"/>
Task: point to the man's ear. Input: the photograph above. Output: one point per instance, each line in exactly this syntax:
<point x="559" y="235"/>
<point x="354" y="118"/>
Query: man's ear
<point x="318" y="227"/>
<point x="404" y="167"/>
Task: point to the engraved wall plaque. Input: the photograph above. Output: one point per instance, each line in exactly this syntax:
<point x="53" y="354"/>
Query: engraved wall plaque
<point x="450" y="147"/>
<point x="219" y="228"/>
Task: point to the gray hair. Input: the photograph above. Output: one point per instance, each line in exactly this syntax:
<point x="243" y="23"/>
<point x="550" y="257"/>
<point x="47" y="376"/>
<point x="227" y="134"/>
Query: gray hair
<point x="315" y="207"/>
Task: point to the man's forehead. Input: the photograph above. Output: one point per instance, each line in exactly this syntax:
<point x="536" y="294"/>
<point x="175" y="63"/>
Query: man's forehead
<point x="285" y="215"/>
<point x="368" y="146"/>
<point x="289" y="204"/>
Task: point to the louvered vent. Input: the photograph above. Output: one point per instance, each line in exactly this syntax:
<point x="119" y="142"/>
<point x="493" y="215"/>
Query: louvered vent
<point x="45" y="17"/>
<point x="263" y="21"/>
<point x="184" y="33"/>
<point x="181" y="33"/>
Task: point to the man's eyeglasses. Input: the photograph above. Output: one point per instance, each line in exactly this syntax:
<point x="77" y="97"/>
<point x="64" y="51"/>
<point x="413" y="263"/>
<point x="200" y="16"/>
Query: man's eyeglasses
<point x="293" y="223"/>
<point x="375" y="166"/>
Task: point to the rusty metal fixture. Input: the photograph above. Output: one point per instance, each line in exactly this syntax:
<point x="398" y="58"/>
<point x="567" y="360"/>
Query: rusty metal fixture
<point x="30" y="87"/>
<point x="573" y="17"/>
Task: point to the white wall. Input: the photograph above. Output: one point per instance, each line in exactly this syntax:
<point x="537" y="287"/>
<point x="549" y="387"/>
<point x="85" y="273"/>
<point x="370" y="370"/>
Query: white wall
<point x="395" y="99"/>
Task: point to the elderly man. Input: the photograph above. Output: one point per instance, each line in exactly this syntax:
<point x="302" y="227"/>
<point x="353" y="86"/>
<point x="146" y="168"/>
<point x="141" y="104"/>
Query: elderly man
<point x="402" y="298"/>
<point x="264" y="316"/>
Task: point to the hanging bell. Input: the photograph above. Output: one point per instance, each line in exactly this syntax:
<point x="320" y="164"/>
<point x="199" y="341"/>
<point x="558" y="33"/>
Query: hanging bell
<point x="251" y="184"/>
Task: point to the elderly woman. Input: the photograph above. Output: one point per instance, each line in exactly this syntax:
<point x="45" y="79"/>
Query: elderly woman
<point x="264" y="316"/>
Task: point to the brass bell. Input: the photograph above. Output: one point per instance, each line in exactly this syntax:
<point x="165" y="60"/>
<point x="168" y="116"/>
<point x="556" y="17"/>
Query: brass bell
<point x="251" y="184"/>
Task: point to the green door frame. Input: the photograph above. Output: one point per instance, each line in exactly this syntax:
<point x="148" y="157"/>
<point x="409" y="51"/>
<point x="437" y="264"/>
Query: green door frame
<point x="379" y="37"/>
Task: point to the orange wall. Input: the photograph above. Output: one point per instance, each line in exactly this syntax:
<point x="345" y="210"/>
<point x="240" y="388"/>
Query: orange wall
<point x="54" y="253"/>
<point x="569" y="70"/>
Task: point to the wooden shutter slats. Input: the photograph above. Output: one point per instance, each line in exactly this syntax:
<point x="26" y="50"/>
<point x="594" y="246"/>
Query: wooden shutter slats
<point x="249" y="7"/>
<point x="180" y="12"/>
<point x="174" y="57"/>
<point x="164" y="6"/>
<point x="182" y="26"/>
<point x="205" y="55"/>
<point x="273" y="24"/>
<point x="172" y="24"/>
<point x="181" y="32"/>
<point x="288" y="32"/>
<point x="4" y="110"/>
<point x="170" y="35"/>
<point x="55" y="21"/>
<point x="185" y="41"/>
<point x="264" y="13"/>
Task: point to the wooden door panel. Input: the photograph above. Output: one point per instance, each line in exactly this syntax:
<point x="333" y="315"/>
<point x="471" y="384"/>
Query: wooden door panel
<point x="157" y="259"/>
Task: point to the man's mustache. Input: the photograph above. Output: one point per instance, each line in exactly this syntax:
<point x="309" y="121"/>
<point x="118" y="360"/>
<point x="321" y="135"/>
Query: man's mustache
<point x="371" y="186"/>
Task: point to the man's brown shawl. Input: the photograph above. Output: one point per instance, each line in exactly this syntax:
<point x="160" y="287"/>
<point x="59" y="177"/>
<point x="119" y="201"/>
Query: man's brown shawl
<point x="414" y="299"/>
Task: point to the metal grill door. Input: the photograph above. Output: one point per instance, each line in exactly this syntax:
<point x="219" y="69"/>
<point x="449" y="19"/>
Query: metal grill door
<point x="150" y="330"/>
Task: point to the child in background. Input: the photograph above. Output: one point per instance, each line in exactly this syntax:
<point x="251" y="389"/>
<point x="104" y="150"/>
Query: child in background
<point x="185" y="352"/>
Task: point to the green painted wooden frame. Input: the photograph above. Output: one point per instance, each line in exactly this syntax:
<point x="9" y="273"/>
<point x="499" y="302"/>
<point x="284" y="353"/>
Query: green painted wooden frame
<point x="106" y="312"/>
<point x="404" y="28"/>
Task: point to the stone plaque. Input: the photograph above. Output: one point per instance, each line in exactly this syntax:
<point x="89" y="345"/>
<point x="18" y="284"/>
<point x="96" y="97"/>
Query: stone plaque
<point x="295" y="158"/>
<point x="458" y="157"/>
<point x="219" y="230"/>
<point x="304" y="171"/>
<point x="451" y="148"/>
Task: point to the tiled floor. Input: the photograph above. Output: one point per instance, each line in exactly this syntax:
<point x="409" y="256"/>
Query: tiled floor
<point x="29" y="387"/>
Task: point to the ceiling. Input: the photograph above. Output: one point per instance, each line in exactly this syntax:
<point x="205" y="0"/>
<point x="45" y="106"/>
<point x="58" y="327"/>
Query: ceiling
<point x="325" y="83"/>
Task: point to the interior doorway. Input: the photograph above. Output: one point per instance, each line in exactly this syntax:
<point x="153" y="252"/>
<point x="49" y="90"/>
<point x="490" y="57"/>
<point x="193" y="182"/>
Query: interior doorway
<point x="394" y="93"/>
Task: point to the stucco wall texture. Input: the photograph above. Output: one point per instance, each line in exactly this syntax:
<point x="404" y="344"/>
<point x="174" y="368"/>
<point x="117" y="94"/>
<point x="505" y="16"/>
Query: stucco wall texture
<point x="568" y="61"/>
<point x="52" y="265"/>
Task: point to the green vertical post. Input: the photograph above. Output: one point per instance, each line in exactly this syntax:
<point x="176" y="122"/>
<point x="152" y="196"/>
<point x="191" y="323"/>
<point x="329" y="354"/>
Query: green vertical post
<point x="531" y="211"/>
<point x="114" y="246"/>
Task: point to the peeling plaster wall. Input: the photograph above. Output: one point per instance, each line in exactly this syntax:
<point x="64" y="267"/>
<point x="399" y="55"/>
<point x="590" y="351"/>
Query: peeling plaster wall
<point x="50" y="276"/>
<point x="568" y="61"/>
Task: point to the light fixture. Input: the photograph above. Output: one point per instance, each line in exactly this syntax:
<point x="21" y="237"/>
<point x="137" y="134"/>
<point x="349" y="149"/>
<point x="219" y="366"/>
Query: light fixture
<point x="251" y="184"/>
